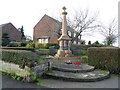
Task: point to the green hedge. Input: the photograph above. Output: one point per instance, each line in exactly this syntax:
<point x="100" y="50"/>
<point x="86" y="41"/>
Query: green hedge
<point x="105" y="58"/>
<point x="41" y="45"/>
<point x="20" y="57"/>
<point x="17" y="44"/>
<point x="19" y="48"/>
<point x="30" y="45"/>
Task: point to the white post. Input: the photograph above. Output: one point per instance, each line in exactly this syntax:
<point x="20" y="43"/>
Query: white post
<point x="119" y="24"/>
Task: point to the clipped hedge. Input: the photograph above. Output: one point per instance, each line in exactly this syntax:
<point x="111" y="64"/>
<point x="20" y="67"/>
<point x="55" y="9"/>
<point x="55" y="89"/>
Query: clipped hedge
<point x="41" y="45"/>
<point x="105" y="58"/>
<point x="47" y="45"/>
<point x="30" y="45"/>
<point x="17" y="44"/>
<point x="21" y="57"/>
<point x="19" y="48"/>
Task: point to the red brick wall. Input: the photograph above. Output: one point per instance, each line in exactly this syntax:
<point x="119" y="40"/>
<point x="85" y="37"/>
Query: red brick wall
<point x="46" y="27"/>
<point x="13" y="33"/>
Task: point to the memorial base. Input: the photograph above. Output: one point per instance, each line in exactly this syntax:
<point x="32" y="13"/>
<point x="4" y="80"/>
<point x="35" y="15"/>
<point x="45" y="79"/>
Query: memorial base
<point x="64" y="53"/>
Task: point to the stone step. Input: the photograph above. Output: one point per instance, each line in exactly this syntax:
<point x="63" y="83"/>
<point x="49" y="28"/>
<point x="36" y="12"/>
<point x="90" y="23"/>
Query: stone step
<point x="72" y="67"/>
<point x="83" y="77"/>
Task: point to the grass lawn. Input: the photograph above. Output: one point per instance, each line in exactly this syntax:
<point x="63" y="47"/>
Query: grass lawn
<point x="40" y="81"/>
<point x="115" y="75"/>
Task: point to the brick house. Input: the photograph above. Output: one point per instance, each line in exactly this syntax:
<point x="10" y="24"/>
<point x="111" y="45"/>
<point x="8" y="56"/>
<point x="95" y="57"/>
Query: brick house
<point x="12" y="31"/>
<point x="48" y="30"/>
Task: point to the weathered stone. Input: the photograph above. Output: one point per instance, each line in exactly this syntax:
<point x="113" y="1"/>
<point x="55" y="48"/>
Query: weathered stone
<point x="88" y="76"/>
<point x="72" y="67"/>
<point x="52" y="50"/>
<point x="41" y="68"/>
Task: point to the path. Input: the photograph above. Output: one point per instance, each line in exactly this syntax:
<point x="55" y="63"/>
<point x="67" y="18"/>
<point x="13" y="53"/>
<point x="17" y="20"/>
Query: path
<point x="8" y="82"/>
<point x="112" y="82"/>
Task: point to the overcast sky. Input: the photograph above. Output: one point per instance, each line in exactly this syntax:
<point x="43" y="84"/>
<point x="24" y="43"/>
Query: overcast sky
<point x="29" y="12"/>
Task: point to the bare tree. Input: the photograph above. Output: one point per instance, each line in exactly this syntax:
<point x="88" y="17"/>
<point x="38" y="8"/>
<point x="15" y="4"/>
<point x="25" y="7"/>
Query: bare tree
<point x="82" y="22"/>
<point x="28" y="38"/>
<point x="109" y="32"/>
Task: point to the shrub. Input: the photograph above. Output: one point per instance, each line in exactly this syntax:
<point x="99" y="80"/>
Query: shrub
<point x="19" y="48"/>
<point x="14" y="76"/>
<point x="89" y="43"/>
<point x="83" y="42"/>
<point x="30" y="45"/>
<point x="14" y="44"/>
<point x="39" y="45"/>
<point x="96" y="45"/>
<point x="17" y="44"/>
<point x="5" y="39"/>
<point x="96" y="42"/>
<point x="23" y="44"/>
<point x="105" y="58"/>
<point x="47" y="45"/>
<point x="20" y="57"/>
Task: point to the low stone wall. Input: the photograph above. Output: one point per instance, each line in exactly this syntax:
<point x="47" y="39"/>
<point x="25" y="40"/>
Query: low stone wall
<point x="79" y="49"/>
<point x="105" y="58"/>
<point x="13" y="69"/>
<point x="41" y="68"/>
<point x="76" y="50"/>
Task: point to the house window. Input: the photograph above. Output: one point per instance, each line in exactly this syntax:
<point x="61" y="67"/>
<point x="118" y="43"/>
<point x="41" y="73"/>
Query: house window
<point x="43" y="40"/>
<point x="69" y="33"/>
<point x="74" y="34"/>
<point x="74" y="42"/>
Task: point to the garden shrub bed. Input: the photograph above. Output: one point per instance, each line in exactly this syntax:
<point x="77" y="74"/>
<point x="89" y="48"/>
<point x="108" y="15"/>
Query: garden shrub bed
<point x="42" y="45"/>
<point x="17" y="44"/>
<point x="20" y="57"/>
<point x="105" y="58"/>
<point x="19" y="48"/>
